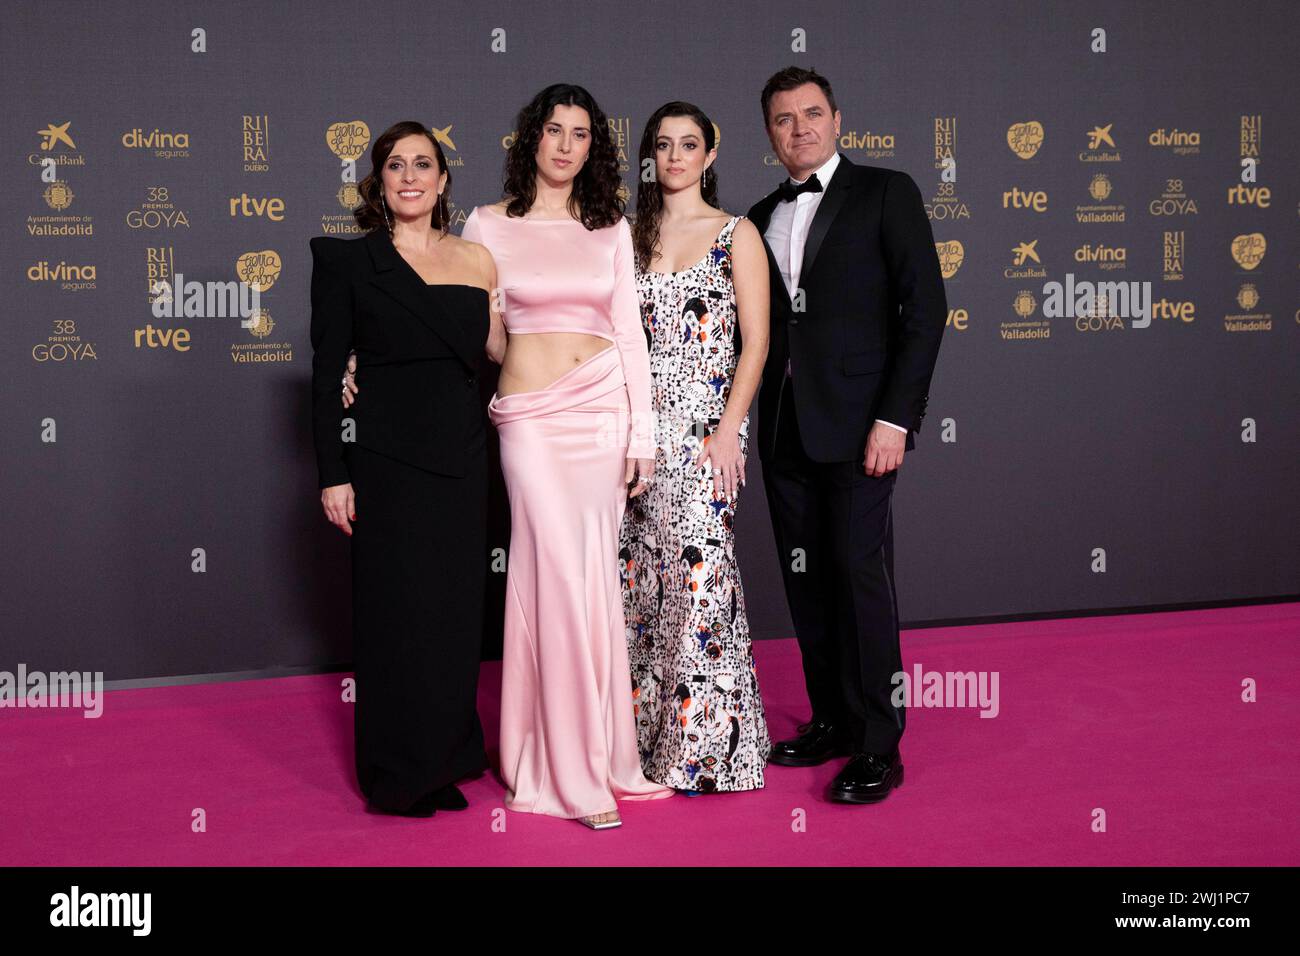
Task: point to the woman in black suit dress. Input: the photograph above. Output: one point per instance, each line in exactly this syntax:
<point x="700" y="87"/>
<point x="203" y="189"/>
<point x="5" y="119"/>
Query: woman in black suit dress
<point x="406" y="475"/>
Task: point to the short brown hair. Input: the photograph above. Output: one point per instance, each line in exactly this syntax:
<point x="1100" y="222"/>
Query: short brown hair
<point x="790" y="78"/>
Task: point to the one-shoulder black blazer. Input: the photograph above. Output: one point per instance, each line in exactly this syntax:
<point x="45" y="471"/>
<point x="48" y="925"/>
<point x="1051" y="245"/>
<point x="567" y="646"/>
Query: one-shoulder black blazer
<point x="418" y="348"/>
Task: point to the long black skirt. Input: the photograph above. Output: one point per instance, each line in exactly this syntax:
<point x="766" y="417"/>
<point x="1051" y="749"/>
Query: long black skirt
<point x="418" y="582"/>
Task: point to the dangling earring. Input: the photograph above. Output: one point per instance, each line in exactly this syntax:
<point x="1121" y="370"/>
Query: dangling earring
<point x="385" y="205"/>
<point x="704" y="180"/>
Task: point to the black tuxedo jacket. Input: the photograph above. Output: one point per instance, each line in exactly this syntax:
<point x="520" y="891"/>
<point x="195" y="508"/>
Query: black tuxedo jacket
<point x="418" y="354"/>
<point x="864" y="346"/>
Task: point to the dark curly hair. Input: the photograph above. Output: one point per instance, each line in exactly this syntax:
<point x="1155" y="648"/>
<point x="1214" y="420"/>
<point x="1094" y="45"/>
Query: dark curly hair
<point x="649" y="197"/>
<point x="370" y="214"/>
<point x="594" y="199"/>
<point x="788" y="79"/>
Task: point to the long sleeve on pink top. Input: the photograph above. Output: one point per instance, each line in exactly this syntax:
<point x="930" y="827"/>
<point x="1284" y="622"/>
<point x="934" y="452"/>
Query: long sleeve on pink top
<point x="629" y="335"/>
<point x="558" y="276"/>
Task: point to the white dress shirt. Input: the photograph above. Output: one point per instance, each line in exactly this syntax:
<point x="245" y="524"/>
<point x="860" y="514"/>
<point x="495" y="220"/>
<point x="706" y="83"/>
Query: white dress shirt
<point x="787" y="234"/>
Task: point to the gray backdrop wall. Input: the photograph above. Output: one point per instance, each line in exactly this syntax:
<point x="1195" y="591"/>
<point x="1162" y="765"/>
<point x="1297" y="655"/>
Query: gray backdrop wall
<point x="1035" y="452"/>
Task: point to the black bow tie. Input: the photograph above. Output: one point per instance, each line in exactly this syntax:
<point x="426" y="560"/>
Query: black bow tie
<point x="789" y="190"/>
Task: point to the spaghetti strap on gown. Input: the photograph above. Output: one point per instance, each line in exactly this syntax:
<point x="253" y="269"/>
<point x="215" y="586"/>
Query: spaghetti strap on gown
<point x="700" y="719"/>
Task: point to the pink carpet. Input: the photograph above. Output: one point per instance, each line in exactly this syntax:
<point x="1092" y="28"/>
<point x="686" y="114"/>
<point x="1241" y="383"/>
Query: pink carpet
<point x="1139" y="715"/>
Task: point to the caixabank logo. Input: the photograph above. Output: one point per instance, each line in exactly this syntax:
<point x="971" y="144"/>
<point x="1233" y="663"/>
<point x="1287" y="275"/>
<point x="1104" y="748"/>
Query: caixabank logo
<point x="1026" y="263"/>
<point x="1101" y="146"/>
<point x="56" y="154"/>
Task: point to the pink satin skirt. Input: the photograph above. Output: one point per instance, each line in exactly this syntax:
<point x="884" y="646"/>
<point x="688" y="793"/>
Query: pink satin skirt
<point x="568" y="737"/>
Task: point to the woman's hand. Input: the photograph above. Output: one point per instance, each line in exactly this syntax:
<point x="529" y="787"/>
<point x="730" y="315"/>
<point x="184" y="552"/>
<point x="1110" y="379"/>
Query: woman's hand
<point x="339" y="504"/>
<point x="720" y="452"/>
<point x="349" y="381"/>
<point x="643" y="470"/>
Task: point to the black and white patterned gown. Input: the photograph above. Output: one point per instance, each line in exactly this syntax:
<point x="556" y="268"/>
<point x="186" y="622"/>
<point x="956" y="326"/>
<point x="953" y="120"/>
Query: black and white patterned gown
<point x="699" y="718"/>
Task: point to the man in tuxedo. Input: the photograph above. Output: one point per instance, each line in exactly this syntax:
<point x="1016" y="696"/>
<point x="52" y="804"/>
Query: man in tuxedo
<point x="858" y="311"/>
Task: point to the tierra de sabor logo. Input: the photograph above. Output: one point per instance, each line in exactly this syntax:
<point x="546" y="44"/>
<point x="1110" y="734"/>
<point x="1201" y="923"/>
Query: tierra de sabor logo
<point x="260" y="270"/>
<point x="951" y="255"/>
<point x="1025" y="139"/>
<point x="1248" y="250"/>
<point x="347" y="140"/>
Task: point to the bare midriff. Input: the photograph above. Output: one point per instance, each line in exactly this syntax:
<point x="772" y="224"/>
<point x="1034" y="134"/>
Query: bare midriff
<point x="534" y="360"/>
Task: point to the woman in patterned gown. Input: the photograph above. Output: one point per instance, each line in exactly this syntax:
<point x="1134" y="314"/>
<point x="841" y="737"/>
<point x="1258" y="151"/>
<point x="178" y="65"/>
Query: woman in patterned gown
<point x="702" y="281"/>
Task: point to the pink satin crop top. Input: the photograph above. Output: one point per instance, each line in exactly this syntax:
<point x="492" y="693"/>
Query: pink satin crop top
<point x="558" y="276"/>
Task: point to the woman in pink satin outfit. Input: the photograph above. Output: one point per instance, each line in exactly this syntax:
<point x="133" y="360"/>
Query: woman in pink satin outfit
<point x="574" y="418"/>
<point x="572" y="410"/>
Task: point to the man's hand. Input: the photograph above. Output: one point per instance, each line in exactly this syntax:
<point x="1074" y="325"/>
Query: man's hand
<point x="349" y="381"/>
<point x="884" y="452"/>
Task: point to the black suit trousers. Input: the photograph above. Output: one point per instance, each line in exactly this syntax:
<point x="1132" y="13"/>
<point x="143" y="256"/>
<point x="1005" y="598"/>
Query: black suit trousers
<point x="840" y="584"/>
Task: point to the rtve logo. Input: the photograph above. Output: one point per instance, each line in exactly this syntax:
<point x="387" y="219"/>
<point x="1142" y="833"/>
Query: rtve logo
<point x="246" y="205"/>
<point x="178" y="339"/>
<point x="1016" y="198"/>
<point x="1243" y="195"/>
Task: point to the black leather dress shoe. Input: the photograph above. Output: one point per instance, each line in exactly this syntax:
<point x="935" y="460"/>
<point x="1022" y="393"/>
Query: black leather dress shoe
<point x="450" y="798"/>
<point x="817" y="743"/>
<point x="867" y="778"/>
